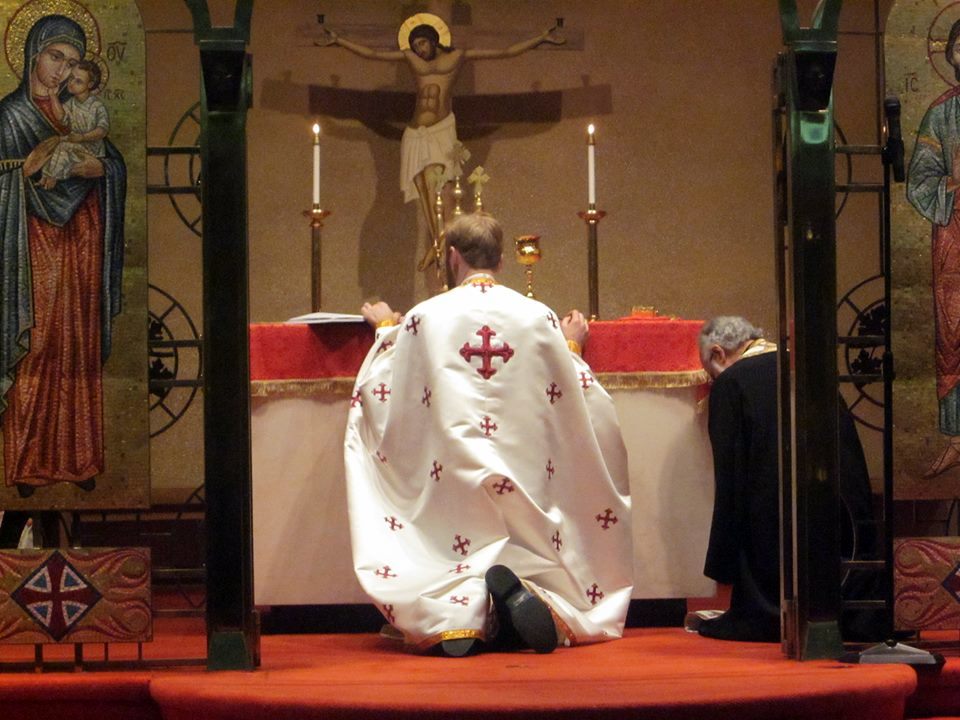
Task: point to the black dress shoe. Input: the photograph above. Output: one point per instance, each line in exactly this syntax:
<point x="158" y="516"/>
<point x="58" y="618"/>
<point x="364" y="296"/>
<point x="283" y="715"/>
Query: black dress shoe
<point x="24" y="490"/>
<point x="521" y="613"/>
<point x="458" y="648"/>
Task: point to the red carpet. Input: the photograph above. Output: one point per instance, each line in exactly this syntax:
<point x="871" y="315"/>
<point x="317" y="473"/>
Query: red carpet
<point x="651" y="673"/>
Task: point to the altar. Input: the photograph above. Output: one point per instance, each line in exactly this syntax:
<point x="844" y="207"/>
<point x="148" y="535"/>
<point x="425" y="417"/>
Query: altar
<point x="301" y="380"/>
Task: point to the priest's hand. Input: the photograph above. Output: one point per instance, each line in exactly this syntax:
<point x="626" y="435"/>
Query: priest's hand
<point x="574" y="327"/>
<point x="379" y="314"/>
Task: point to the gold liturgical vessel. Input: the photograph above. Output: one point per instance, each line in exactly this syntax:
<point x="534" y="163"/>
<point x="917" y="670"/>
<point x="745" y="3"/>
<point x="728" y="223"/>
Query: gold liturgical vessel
<point x="528" y="255"/>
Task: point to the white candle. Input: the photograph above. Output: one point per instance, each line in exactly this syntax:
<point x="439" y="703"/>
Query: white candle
<point x="591" y="168"/>
<point x="316" y="164"/>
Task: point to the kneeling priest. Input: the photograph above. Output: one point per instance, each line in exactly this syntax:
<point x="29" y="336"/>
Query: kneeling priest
<point x="487" y="478"/>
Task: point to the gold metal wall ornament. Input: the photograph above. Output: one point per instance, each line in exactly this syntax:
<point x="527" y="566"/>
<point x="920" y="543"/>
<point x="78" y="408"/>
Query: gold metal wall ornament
<point x="528" y="254"/>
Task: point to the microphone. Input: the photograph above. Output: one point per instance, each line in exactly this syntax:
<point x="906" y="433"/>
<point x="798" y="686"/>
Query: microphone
<point x="893" y="151"/>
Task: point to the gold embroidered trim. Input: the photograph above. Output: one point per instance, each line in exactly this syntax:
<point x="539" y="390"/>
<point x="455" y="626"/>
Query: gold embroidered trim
<point x="655" y="380"/>
<point x="429" y="642"/>
<point x="303" y="388"/>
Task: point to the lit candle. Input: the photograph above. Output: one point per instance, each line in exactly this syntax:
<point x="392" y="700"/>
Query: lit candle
<point x="591" y="168"/>
<point x="316" y="164"/>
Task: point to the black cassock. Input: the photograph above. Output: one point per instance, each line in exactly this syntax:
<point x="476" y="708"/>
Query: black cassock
<point x="744" y="547"/>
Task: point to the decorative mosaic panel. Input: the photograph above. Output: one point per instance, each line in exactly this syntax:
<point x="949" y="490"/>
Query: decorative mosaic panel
<point x="78" y="595"/>
<point x="927" y="583"/>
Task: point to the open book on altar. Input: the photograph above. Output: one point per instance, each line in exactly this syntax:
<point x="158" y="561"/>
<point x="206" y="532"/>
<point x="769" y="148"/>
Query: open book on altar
<point x="325" y="318"/>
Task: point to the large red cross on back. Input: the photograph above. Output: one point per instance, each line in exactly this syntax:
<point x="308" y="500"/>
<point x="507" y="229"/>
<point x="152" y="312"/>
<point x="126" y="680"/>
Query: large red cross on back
<point x="486" y="351"/>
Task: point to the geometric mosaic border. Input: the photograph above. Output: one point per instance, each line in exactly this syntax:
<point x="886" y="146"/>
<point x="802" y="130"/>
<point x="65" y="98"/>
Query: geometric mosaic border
<point x="75" y="595"/>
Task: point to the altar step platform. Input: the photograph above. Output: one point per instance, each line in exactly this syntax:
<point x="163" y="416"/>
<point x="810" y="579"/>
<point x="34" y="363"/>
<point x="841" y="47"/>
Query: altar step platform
<point x="659" y="673"/>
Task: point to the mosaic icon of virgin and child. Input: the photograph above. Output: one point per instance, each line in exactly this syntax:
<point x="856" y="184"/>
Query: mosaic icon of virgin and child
<point x="62" y="192"/>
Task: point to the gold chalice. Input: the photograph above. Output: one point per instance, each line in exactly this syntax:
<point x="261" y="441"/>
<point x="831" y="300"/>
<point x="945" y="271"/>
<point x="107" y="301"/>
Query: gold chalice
<point x="528" y="255"/>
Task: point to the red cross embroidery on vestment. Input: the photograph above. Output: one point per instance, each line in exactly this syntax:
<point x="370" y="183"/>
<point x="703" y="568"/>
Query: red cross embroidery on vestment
<point x="586" y="380"/>
<point x="486" y="351"/>
<point x="552" y="319"/>
<point x="488" y="426"/>
<point x="388" y="614"/>
<point x="381" y="392"/>
<point x="459" y="600"/>
<point x="356" y="399"/>
<point x="384" y="345"/>
<point x="594" y="594"/>
<point x="460" y="568"/>
<point x="557" y="542"/>
<point x="385" y="572"/>
<point x="381" y="457"/>
<point x="550" y="469"/>
<point x="437" y="469"/>
<point x="393" y="523"/>
<point x="554" y="392"/>
<point x="503" y="486"/>
<point x="413" y="326"/>
<point x="427" y="394"/>
<point x="461" y="544"/>
<point x="607" y="519"/>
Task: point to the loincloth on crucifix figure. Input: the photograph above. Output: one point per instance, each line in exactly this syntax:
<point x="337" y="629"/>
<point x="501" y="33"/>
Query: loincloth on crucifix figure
<point x="431" y="156"/>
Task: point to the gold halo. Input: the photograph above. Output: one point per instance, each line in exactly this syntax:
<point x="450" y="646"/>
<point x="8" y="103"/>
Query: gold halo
<point x="403" y="34"/>
<point x="23" y="19"/>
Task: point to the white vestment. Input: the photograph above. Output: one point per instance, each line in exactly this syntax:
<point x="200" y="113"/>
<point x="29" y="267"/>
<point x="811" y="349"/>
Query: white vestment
<point x="475" y="437"/>
<point x="423" y="146"/>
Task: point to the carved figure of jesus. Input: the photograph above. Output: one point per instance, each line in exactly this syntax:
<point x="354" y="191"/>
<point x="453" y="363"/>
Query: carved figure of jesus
<point x="427" y="157"/>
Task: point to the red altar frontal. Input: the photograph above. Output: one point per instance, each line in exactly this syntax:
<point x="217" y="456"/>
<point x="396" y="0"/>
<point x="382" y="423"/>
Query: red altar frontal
<point x="302" y="377"/>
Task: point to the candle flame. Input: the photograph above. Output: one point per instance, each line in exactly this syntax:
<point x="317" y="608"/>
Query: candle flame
<point x="316" y="128"/>
<point x="590" y="128"/>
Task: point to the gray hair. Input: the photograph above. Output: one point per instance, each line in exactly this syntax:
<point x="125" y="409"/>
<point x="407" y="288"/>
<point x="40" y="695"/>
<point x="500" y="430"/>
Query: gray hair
<point x="727" y="331"/>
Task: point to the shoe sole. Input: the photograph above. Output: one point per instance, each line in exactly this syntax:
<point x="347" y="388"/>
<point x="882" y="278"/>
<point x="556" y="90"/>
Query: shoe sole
<point x="529" y="615"/>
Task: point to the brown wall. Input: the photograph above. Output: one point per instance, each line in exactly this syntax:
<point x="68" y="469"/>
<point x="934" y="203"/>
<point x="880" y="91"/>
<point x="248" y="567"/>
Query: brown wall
<point x="679" y="91"/>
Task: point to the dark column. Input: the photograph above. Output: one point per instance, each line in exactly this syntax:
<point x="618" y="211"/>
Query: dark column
<point x="232" y="636"/>
<point x="808" y="378"/>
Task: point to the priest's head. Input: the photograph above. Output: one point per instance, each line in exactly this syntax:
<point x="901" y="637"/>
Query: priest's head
<point x="474" y="244"/>
<point x="723" y="340"/>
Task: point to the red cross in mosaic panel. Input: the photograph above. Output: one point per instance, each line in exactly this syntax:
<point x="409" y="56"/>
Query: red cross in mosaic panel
<point x="56" y="595"/>
<point x="586" y="380"/>
<point x="388" y="614"/>
<point x="554" y="392"/>
<point x="552" y="319"/>
<point x="413" y="326"/>
<point x="460" y="568"/>
<point x="461" y="544"/>
<point x="459" y="600"/>
<point x="427" y="394"/>
<point x="486" y="352"/>
<point x="557" y="542"/>
<point x="437" y="469"/>
<point x="393" y="523"/>
<point x="550" y="469"/>
<point x="381" y="392"/>
<point x="488" y="426"/>
<point x="385" y="572"/>
<point x="503" y="486"/>
<point x="356" y="399"/>
<point x="594" y="594"/>
<point x="607" y="519"/>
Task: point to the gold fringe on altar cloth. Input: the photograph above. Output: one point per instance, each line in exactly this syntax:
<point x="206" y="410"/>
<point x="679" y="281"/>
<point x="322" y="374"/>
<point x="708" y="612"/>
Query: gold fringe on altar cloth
<point x="343" y="386"/>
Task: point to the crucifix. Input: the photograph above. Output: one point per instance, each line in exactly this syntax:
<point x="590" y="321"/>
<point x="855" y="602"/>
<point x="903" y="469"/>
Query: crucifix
<point x="428" y="160"/>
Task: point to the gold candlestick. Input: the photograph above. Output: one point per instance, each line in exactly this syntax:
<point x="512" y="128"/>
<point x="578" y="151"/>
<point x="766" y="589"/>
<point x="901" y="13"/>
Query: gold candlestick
<point x="438" y="241"/>
<point x="592" y="218"/>
<point x="528" y="255"/>
<point x="316" y="216"/>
